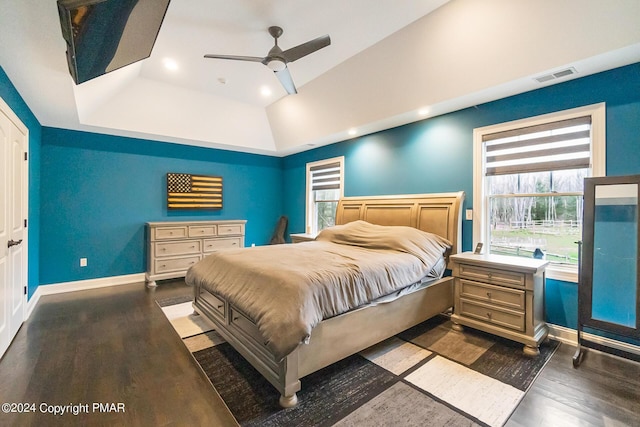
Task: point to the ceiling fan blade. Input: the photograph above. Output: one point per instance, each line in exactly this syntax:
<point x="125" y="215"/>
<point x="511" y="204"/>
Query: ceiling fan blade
<point x="305" y="49"/>
<point x="285" y="79"/>
<point x="236" y="57"/>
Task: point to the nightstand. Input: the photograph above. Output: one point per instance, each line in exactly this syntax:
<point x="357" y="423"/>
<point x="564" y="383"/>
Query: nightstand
<point x="302" y="237"/>
<point x="501" y="295"/>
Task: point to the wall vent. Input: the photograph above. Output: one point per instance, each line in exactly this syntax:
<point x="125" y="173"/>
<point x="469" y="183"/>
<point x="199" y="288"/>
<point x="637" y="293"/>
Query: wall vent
<point x="557" y="75"/>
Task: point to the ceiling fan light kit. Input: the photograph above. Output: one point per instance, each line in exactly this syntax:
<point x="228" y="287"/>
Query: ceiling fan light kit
<point x="277" y="59"/>
<point x="276" y="65"/>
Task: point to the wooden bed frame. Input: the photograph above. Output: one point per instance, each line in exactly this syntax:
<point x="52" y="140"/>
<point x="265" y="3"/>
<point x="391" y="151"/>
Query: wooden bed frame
<point x="341" y="336"/>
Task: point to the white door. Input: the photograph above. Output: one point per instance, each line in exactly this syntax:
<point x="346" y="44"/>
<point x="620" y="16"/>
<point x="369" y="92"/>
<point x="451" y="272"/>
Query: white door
<point x="13" y="214"/>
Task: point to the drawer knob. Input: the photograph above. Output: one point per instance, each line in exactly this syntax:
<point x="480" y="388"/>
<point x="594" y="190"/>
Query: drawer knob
<point x="489" y="275"/>
<point x="163" y="249"/>
<point x="163" y="265"/>
<point x="489" y="315"/>
<point x="488" y="294"/>
<point x="235" y="319"/>
<point x="234" y="243"/>
<point x="220" y="306"/>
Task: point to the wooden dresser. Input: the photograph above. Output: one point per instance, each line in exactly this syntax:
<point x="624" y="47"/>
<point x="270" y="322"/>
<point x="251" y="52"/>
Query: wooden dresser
<point x="502" y="295"/>
<point x="173" y="247"/>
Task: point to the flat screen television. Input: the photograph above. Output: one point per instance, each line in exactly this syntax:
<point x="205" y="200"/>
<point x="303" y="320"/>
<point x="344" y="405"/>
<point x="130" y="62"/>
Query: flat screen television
<point x="104" y="35"/>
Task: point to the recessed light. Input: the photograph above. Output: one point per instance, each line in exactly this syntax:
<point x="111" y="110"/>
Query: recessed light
<point x="352" y="131"/>
<point x="423" y="111"/>
<point x="265" y="91"/>
<point x="170" y="64"/>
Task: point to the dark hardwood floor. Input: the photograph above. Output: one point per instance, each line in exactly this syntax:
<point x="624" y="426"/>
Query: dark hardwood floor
<point x="603" y="391"/>
<point x="114" y="345"/>
<point x="109" y="345"/>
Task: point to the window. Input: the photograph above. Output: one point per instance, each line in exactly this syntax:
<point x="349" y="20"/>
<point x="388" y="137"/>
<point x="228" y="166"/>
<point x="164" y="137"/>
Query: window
<point x="528" y="185"/>
<point x="324" y="189"/>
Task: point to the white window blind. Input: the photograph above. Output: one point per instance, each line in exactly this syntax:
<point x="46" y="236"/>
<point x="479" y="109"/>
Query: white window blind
<point x="325" y="177"/>
<point x="564" y="144"/>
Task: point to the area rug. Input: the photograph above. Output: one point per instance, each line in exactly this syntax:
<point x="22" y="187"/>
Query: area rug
<point x="429" y="375"/>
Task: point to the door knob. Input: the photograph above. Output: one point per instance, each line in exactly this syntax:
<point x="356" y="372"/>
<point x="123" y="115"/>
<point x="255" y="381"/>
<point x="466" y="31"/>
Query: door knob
<point x="13" y="243"/>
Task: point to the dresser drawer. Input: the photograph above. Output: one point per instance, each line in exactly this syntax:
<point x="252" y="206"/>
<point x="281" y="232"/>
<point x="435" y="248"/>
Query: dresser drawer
<point x="491" y="275"/>
<point x="165" y="233"/>
<point x="175" y="264"/>
<point x="230" y="230"/>
<point x="507" y="297"/>
<point x="184" y="247"/>
<point x="202" y="230"/>
<point x="211" y="245"/>
<point x="491" y="314"/>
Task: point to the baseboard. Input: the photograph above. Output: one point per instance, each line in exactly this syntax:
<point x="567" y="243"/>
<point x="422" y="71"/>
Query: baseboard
<point x="80" y="285"/>
<point x="570" y="336"/>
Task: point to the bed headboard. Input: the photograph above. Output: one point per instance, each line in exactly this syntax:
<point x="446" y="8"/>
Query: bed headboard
<point x="437" y="213"/>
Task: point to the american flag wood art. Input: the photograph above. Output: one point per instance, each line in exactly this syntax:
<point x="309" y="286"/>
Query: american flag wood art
<point x="186" y="191"/>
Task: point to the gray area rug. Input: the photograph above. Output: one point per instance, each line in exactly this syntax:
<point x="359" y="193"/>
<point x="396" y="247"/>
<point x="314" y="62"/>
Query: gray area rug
<point x="429" y="375"/>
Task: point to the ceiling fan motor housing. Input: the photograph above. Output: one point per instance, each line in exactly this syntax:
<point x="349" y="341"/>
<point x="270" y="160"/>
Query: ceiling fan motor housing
<point x="277" y="59"/>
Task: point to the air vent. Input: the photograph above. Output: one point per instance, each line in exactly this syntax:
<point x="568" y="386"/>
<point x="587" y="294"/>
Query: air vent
<point x="557" y="75"/>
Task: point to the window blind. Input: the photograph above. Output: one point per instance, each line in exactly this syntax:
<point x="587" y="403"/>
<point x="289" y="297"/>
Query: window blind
<point x="564" y="144"/>
<point x="325" y="177"/>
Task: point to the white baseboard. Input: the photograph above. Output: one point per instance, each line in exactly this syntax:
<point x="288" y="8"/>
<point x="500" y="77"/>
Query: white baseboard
<point x="80" y="285"/>
<point x="570" y="336"/>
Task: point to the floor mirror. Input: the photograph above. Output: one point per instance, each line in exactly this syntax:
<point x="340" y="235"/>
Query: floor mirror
<point x="608" y="296"/>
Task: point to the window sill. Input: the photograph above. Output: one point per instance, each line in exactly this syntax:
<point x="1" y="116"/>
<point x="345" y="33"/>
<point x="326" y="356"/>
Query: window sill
<point x="565" y="274"/>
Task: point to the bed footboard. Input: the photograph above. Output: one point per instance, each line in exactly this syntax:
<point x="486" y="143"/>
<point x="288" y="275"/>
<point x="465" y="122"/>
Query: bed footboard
<point x="240" y="331"/>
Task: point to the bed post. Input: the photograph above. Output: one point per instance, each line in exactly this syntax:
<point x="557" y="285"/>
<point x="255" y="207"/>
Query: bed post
<point x="288" y="398"/>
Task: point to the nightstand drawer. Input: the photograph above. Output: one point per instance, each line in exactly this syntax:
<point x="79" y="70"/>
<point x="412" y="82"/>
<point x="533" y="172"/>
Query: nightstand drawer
<point x="491" y="275"/>
<point x="184" y="247"/>
<point x="493" y="315"/>
<point x="495" y="295"/>
<point x="175" y="264"/>
<point x="211" y="245"/>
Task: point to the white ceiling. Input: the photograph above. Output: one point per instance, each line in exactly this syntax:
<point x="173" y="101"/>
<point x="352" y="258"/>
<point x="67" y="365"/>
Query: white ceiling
<point x="388" y="60"/>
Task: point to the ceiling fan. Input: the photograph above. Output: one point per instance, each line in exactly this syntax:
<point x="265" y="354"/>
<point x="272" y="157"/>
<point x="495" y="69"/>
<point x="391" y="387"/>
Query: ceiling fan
<point x="277" y="59"/>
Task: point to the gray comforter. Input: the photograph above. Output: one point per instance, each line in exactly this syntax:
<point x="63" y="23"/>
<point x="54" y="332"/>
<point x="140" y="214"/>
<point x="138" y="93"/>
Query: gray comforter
<point x="289" y="289"/>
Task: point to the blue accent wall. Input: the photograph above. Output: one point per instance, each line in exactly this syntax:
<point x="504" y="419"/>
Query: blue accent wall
<point x="436" y="154"/>
<point x="561" y="303"/>
<point x="11" y="96"/>
<point x="98" y="191"/>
